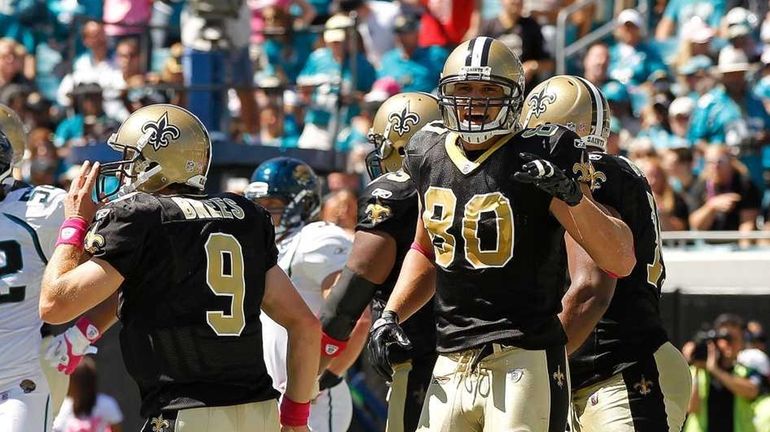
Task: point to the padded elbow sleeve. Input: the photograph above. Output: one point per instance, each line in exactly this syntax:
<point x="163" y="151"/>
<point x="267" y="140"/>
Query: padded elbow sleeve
<point x="347" y="301"/>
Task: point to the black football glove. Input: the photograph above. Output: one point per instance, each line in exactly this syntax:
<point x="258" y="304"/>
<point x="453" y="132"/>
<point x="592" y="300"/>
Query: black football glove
<point x="549" y="178"/>
<point x="384" y="333"/>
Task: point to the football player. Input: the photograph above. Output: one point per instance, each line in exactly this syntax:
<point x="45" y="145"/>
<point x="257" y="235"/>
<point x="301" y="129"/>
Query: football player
<point x="494" y="206"/>
<point x="626" y="375"/>
<point x="387" y="210"/>
<point x="312" y="254"/>
<point x="192" y="271"/>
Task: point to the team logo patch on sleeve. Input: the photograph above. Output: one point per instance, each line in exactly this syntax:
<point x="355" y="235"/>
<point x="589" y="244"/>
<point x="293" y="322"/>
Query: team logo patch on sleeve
<point x="94" y="242"/>
<point x="378" y="213"/>
<point x="589" y="175"/>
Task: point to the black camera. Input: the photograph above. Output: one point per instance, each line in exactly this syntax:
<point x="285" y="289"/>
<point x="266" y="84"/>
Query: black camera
<point x="701" y="339"/>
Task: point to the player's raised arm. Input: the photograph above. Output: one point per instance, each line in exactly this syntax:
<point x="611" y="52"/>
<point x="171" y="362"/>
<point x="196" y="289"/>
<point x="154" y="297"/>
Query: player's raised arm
<point x="284" y="305"/>
<point x="70" y="288"/>
<point x="607" y="239"/>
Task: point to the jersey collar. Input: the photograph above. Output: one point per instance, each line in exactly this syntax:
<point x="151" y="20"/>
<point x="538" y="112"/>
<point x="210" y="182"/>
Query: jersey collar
<point x="456" y="154"/>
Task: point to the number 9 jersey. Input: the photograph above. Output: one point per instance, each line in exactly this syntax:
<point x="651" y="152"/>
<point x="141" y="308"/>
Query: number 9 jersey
<point x="194" y="269"/>
<point x="500" y="254"/>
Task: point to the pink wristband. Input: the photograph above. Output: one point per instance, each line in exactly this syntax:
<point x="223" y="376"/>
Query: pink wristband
<point x="88" y="328"/>
<point x="427" y="253"/>
<point x="72" y="232"/>
<point x="294" y="414"/>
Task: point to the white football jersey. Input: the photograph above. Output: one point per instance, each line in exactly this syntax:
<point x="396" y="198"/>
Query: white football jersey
<point x="308" y="256"/>
<point x="30" y="218"/>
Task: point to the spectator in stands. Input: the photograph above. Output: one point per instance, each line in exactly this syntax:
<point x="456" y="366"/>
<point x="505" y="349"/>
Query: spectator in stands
<point x="694" y="77"/>
<point x="654" y="122"/>
<point x="447" y="22"/>
<point x="726" y="197"/>
<point x="511" y="28"/>
<point x="293" y="114"/>
<point x="632" y="59"/>
<point x="285" y="51"/>
<point x="85" y="409"/>
<point x="730" y="113"/>
<point x="726" y="382"/>
<point x="375" y="25"/>
<point x="12" y="55"/>
<point x="415" y="68"/>
<point x="696" y="40"/>
<point x="613" y="142"/>
<point x="325" y="80"/>
<point x="738" y="29"/>
<point x="259" y="21"/>
<point x="90" y="124"/>
<point x="341" y="208"/>
<point x="93" y="66"/>
<point x="757" y="338"/>
<point x="678" y="12"/>
<point x="126" y="18"/>
<point x="271" y="130"/>
<point x="42" y="163"/>
<point x="679" y="113"/>
<point x="596" y="63"/>
<point x="678" y="164"/>
<point x="354" y="137"/>
<point x="37" y="112"/>
<point x="620" y="106"/>
<point x="673" y="213"/>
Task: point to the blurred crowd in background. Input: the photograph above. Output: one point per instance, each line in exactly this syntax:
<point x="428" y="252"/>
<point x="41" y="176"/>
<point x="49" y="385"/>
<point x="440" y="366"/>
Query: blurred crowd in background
<point x="688" y="81"/>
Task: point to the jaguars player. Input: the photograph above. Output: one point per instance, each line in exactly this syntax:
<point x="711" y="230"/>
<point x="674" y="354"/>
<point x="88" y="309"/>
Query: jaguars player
<point x="494" y="206"/>
<point x="312" y="254"/>
<point x="621" y="359"/>
<point x="192" y="271"/>
<point x="386" y="213"/>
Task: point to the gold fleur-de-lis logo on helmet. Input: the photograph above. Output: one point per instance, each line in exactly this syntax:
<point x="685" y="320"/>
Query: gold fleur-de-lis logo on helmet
<point x="163" y="131"/>
<point x="539" y="102"/>
<point x="159" y="424"/>
<point x="402" y="122"/>
<point x="589" y="175"/>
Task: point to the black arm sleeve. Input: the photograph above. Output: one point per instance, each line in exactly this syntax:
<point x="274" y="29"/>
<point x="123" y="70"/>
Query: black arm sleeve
<point x="347" y="301"/>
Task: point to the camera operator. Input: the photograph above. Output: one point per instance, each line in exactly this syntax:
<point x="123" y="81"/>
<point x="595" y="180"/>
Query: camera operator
<point x="725" y="382"/>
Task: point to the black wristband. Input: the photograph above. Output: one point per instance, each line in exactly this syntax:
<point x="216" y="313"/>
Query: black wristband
<point x="328" y="380"/>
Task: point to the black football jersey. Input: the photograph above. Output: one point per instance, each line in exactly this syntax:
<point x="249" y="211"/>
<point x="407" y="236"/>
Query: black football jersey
<point x="631" y="327"/>
<point x="389" y="204"/>
<point x="194" y="269"/>
<point x="500" y="254"/>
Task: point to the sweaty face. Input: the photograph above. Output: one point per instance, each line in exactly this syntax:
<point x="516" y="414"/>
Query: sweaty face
<point x="478" y="102"/>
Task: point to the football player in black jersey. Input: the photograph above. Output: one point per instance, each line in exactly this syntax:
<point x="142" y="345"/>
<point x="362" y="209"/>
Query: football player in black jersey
<point x="192" y="272"/>
<point x="386" y="213"/>
<point x="626" y="375"/>
<point x="495" y="203"/>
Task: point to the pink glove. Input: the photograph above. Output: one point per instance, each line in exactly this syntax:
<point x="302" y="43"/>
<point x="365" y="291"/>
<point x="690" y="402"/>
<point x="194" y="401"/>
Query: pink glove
<point x="67" y="349"/>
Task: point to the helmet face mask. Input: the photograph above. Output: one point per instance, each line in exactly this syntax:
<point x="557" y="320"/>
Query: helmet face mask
<point x="161" y="145"/>
<point x="480" y="115"/>
<point x="394" y="124"/>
